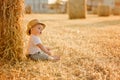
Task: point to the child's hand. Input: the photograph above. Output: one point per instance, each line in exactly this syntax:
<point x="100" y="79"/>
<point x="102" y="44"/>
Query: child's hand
<point x="49" y="53"/>
<point x="56" y="58"/>
<point x="48" y="48"/>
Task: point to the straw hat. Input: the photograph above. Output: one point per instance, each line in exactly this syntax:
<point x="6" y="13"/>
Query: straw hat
<point x="33" y="23"/>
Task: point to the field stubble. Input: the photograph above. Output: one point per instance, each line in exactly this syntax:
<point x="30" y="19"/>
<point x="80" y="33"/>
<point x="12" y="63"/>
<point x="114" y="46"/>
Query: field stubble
<point x="89" y="50"/>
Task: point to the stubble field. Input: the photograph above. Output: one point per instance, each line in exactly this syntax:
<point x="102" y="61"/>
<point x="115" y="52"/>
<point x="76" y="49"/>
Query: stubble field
<point x="89" y="50"/>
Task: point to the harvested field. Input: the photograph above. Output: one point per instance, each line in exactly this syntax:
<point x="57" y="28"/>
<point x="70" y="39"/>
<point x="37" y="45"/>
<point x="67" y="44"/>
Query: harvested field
<point x="89" y="50"/>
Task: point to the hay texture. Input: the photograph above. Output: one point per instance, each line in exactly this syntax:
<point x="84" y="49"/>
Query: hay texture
<point x="104" y="10"/>
<point x="94" y="10"/>
<point x="77" y="9"/>
<point x="117" y="2"/>
<point x="116" y="11"/>
<point x="11" y="43"/>
<point x="89" y="7"/>
<point x="28" y="9"/>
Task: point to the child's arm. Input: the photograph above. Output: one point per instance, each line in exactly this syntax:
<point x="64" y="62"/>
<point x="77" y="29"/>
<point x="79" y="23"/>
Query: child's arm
<point x="54" y="58"/>
<point x="44" y="49"/>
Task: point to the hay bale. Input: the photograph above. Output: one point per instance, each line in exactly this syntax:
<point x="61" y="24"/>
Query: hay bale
<point x="89" y="8"/>
<point x="117" y="2"/>
<point x="28" y="9"/>
<point x="11" y="13"/>
<point x="104" y="10"/>
<point x="77" y="9"/>
<point x="94" y="10"/>
<point x="116" y="11"/>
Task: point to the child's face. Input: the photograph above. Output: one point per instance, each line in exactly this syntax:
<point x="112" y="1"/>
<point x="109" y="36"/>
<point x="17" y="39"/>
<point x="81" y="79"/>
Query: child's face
<point x="37" y="29"/>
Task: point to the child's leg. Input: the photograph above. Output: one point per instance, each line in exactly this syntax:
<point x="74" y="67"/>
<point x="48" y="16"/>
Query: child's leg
<point x="40" y="56"/>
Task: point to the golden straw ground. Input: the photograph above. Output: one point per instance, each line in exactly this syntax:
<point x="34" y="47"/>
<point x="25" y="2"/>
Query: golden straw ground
<point x="89" y="49"/>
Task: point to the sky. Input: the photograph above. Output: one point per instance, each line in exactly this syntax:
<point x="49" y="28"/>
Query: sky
<point x="52" y="1"/>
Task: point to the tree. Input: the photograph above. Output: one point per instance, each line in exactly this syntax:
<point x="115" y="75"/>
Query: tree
<point x="11" y="43"/>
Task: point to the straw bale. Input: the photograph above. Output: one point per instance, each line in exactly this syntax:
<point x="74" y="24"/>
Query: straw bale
<point x="77" y="9"/>
<point x="104" y="10"/>
<point x="116" y="11"/>
<point x="89" y="8"/>
<point x="11" y="43"/>
<point x="28" y="9"/>
<point x="94" y="10"/>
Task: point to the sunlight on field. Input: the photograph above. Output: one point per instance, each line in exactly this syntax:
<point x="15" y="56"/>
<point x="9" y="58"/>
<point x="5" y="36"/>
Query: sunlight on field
<point x="89" y="50"/>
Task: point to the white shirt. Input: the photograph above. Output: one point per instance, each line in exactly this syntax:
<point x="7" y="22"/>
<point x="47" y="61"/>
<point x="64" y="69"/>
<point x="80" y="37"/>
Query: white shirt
<point x="32" y="44"/>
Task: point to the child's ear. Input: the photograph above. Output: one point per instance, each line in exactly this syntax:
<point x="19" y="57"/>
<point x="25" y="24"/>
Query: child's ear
<point x="31" y="29"/>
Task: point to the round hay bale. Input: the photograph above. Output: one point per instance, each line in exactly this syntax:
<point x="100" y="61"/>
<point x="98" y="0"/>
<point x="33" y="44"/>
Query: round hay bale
<point x="89" y="8"/>
<point x="117" y="2"/>
<point x="28" y="10"/>
<point x="77" y="9"/>
<point x="94" y="10"/>
<point x="104" y="10"/>
<point x="11" y="35"/>
<point x="116" y="11"/>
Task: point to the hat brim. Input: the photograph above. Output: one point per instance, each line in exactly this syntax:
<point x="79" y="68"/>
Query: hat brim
<point x="42" y="25"/>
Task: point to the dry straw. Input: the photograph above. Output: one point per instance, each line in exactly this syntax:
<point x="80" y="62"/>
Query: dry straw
<point x="28" y="9"/>
<point x="11" y="43"/>
<point x="89" y="7"/>
<point x="94" y="10"/>
<point x="104" y="10"/>
<point x="116" y="11"/>
<point x="77" y="9"/>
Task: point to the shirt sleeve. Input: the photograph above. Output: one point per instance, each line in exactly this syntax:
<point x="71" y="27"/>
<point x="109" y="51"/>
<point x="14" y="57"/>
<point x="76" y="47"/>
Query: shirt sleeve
<point x="36" y="40"/>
